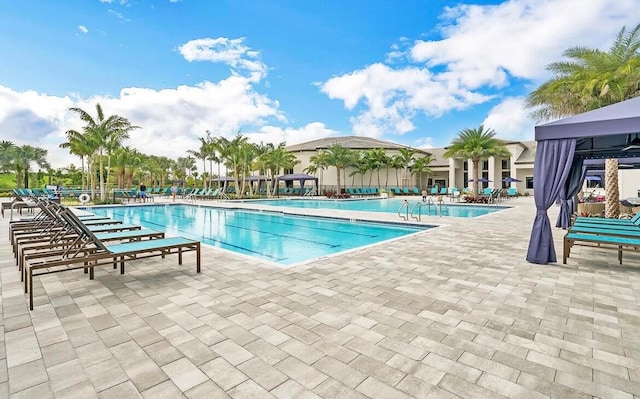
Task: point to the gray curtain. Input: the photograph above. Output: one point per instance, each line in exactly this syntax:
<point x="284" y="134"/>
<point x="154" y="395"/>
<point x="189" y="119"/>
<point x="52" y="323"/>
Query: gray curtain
<point x="552" y="165"/>
<point x="569" y="190"/>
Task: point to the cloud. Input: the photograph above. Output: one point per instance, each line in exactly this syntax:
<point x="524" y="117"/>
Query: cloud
<point x="275" y="134"/>
<point x="481" y="50"/>
<point x="172" y="120"/>
<point x="232" y="52"/>
<point x="118" y="15"/>
<point x="510" y="120"/>
<point x="83" y="29"/>
<point x="391" y="98"/>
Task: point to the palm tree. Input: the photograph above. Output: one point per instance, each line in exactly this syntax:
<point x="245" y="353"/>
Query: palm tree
<point x="405" y="158"/>
<point x="592" y="79"/>
<point x="377" y="159"/>
<point x="106" y="134"/>
<point x="6" y="155"/>
<point x="278" y="159"/>
<point x="396" y="163"/>
<point x="476" y="145"/>
<point x="338" y="157"/>
<point x="81" y="145"/>
<point x="22" y="159"/>
<point x="422" y="166"/>
<point x="317" y="163"/>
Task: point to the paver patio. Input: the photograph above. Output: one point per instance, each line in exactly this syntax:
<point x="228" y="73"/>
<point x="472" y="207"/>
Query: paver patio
<point x="453" y="312"/>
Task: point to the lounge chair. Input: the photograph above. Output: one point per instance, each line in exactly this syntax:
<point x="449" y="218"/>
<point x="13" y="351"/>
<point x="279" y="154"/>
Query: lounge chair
<point x="21" y="201"/>
<point x="601" y="241"/>
<point x="93" y="252"/>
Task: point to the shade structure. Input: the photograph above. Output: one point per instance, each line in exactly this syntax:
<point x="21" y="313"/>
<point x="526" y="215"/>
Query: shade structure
<point x="301" y="177"/>
<point x="593" y="178"/>
<point x="481" y="180"/>
<point x="572" y="143"/>
<point x="511" y="180"/>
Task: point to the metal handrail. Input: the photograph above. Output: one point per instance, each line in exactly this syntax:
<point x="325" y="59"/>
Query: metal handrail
<point x="405" y="204"/>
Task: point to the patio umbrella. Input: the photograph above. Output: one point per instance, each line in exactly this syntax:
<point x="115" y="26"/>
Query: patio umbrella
<point x="481" y="180"/>
<point x="593" y="178"/>
<point x="511" y="180"/>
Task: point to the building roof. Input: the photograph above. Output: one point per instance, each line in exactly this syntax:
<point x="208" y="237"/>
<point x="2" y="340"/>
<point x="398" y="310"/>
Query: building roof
<point x="351" y="142"/>
<point x="438" y="157"/>
<point x="529" y="154"/>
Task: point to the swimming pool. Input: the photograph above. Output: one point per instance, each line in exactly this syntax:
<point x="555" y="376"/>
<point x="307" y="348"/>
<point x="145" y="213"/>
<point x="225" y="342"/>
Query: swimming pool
<point x="273" y="236"/>
<point x="382" y="205"/>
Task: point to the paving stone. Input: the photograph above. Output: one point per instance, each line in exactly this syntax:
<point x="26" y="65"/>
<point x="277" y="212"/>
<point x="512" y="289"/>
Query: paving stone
<point x="223" y="373"/>
<point x="124" y="390"/>
<point x="232" y="352"/>
<point x="67" y="374"/>
<point x="82" y="390"/>
<point x="305" y="375"/>
<point x="206" y="390"/>
<point x="184" y="374"/>
<point x="165" y="390"/>
<point x="106" y="374"/>
<point x="42" y="391"/>
<point x="262" y="373"/>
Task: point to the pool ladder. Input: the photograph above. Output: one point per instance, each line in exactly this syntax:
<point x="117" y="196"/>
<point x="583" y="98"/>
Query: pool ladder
<point x="428" y="203"/>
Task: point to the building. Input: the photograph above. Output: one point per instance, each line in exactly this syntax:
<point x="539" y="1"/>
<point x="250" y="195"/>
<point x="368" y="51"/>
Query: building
<point x="447" y="172"/>
<point x="386" y="177"/>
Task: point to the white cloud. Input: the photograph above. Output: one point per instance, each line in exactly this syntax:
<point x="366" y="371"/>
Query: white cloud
<point x="510" y="120"/>
<point x="232" y="52"/>
<point x="119" y="15"/>
<point x="275" y="134"/>
<point x="520" y="37"/>
<point x="83" y="29"/>
<point x="172" y="120"/>
<point x="392" y="97"/>
<point x="481" y="50"/>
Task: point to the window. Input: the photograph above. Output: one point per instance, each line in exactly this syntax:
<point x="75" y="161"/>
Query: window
<point x="465" y="165"/>
<point x="505" y="174"/>
<point x="506" y="165"/>
<point x="485" y="165"/>
<point x="465" y="178"/>
<point x="529" y="181"/>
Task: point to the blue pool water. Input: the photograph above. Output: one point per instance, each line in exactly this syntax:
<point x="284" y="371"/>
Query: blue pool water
<point x="284" y="239"/>
<point x="382" y="205"/>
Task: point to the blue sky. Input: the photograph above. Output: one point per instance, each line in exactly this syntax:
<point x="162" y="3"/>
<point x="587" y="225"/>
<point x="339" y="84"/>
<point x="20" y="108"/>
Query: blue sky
<point x="412" y="72"/>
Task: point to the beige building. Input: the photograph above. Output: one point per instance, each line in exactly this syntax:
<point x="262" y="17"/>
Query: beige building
<point x="447" y="172"/>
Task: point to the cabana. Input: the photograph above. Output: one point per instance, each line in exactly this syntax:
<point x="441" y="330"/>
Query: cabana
<point x="560" y="168"/>
<point x="302" y="178"/>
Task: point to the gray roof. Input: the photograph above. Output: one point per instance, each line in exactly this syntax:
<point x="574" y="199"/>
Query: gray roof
<point x="352" y="142"/>
<point x="438" y="157"/>
<point x="529" y="154"/>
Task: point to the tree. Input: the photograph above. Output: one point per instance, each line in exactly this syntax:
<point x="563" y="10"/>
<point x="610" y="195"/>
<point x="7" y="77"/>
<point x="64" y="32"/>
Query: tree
<point x="476" y="145"/>
<point x="338" y="157"/>
<point x="6" y="155"/>
<point x="23" y="157"/>
<point x="592" y="79"/>
<point x="405" y="159"/>
<point x="422" y="166"/>
<point x="105" y="134"/>
<point x="317" y="163"/>
<point x="81" y="145"/>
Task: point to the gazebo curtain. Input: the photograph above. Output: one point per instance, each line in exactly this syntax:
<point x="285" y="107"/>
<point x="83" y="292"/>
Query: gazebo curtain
<point x="568" y="192"/>
<point x="552" y="166"/>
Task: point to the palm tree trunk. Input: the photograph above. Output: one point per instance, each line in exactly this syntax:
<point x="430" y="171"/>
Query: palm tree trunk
<point x="612" y="194"/>
<point x="476" y="171"/>
<point x="339" y="191"/>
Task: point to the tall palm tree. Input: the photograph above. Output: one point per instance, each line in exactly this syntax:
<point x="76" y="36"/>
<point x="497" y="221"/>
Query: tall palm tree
<point x="6" y="155"/>
<point x="278" y="159"/>
<point x="406" y="158"/>
<point x="476" y="145"/>
<point x="81" y="145"/>
<point x="591" y="79"/>
<point x="338" y="157"/>
<point x="107" y="134"/>
<point x="317" y="163"/>
<point x="422" y="166"/>
<point x="22" y="159"/>
<point x="377" y="159"/>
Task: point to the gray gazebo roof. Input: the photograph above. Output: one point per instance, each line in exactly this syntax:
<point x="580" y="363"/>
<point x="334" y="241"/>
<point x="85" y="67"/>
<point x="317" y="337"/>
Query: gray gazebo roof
<point x="606" y="132"/>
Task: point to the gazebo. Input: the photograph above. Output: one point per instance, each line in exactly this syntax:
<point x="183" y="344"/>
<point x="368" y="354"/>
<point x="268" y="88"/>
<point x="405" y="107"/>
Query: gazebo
<point x="301" y="177"/>
<point x="564" y="146"/>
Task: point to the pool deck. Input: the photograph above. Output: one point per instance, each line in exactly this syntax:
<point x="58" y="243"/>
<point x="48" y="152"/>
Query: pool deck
<point x="452" y="312"/>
